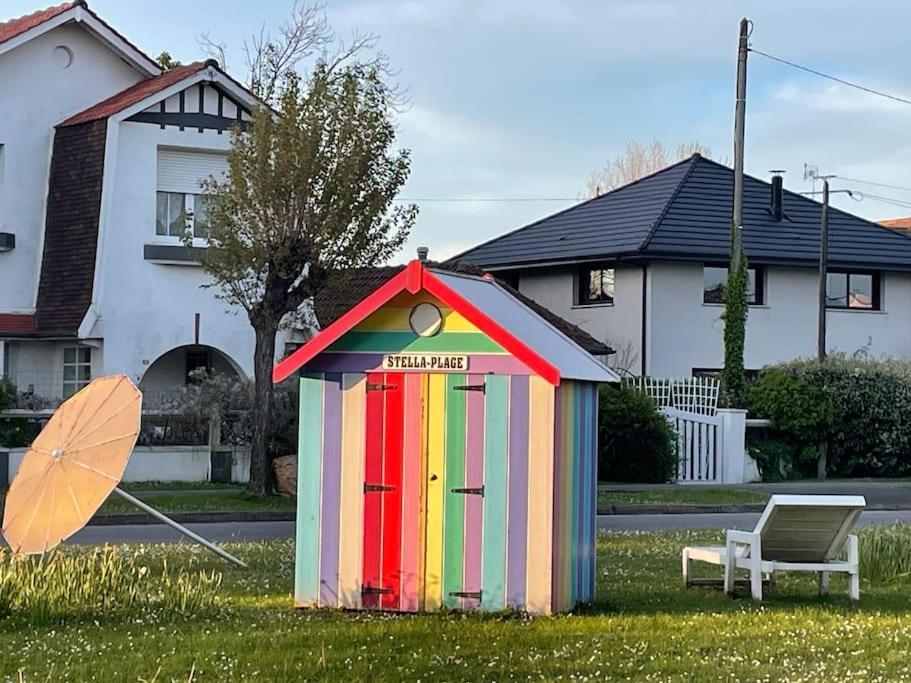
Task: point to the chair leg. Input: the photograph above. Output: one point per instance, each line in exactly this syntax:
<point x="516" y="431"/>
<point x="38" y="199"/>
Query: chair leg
<point x="729" y="568"/>
<point x="756" y="582"/>
<point x="685" y="557"/>
<point x="854" y="573"/>
<point x="823" y="583"/>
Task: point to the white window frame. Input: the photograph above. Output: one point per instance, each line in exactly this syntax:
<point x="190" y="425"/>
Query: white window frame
<point x="76" y="383"/>
<point x="189" y="212"/>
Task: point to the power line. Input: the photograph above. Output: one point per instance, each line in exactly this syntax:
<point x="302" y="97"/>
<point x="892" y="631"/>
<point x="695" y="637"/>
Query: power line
<point x="857" y="86"/>
<point x="870" y="182"/>
<point x="488" y="199"/>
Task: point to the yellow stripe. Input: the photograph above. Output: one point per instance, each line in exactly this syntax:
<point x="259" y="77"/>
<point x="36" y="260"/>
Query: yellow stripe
<point x="540" y="495"/>
<point x="351" y="521"/>
<point x="436" y="443"/>
<point x="394" y="318"/>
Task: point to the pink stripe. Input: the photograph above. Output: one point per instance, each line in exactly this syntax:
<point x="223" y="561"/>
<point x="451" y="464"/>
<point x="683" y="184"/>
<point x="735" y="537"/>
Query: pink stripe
<point x="373" y="362"/>
<point x="411" y="497"/>
<point x="474" y="505"/>
<point x="332" y="481"/>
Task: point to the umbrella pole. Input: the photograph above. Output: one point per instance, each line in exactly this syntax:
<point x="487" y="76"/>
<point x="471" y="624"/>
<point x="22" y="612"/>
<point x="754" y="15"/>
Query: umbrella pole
<point x="182" y="529"/>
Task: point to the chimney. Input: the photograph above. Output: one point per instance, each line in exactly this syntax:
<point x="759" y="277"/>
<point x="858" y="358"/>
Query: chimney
<point x="422" y="254"/>
<point x="777" y="185"/>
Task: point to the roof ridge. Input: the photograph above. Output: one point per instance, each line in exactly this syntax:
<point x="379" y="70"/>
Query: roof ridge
<point x="569" y="208"/>
<point x="693" y="159"/>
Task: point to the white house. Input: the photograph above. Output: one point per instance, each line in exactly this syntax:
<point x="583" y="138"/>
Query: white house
<point x="643" y="268"/>
<point x="101" y="157"/>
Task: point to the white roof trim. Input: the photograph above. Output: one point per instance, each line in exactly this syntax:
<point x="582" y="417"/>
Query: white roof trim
<point x="206" y="75"/>
<point x="103" y="33"/>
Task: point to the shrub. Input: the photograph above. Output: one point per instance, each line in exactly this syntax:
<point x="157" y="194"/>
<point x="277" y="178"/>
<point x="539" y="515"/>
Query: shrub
<point x="636" y="443"/>
<point x="869" y="433"/>
<point x="14" y="432"/>
<point x="802" y="415"/>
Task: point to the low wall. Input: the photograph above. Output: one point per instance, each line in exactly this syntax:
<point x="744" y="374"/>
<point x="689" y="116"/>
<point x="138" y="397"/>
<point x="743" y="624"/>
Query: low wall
<point x="165" y="463"/>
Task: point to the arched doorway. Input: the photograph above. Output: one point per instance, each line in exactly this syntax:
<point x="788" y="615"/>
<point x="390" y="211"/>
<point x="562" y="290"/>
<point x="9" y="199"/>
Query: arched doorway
<point x="175" y="368"/>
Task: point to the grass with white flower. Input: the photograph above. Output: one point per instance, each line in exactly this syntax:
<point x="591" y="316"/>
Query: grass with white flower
<point x="644" y="626"/>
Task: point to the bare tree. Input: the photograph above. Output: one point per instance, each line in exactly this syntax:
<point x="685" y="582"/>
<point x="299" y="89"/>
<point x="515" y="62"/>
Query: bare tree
<point x="270" y="56"/>
<point x="637" y="161"/>
<point x="625" y="356"/>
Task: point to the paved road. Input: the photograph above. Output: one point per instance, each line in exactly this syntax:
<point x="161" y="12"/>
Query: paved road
<point x="721" y="521"/>
<point x="161" y="533"/>
<point x="255" y="531"/>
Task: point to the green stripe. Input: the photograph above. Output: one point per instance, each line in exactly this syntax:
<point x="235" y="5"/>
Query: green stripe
<point x="454" y="507"/>
<point x="310" y="447"/>
<point x="394" y="342"/>
<point x="496" y="426"/>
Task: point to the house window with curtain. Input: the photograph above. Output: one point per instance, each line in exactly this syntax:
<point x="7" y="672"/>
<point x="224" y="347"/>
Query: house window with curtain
<point x="849" y="290"/>
<point x="181" y="206"/>
<point x="77" y="368"/>
<point x="595" y="286"/>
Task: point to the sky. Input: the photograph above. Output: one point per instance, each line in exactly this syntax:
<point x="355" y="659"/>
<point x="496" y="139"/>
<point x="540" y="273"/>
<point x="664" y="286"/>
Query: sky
<point x="521" y="99"/>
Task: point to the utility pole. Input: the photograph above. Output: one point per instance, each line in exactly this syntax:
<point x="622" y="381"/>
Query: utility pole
<point x="823" y="270"/>
<point x="740" y="111"/>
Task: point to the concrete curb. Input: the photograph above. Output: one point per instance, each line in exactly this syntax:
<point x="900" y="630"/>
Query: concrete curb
<point x="194" y="517"/>
<point x="637" y="509"/>
<point x="289" y="515"/>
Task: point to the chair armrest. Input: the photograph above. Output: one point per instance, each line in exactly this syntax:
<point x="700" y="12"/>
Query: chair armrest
<point x="741" y="537"/>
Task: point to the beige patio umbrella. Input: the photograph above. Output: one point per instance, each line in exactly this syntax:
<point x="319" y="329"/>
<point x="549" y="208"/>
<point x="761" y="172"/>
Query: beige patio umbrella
<point x="74" y="464"/>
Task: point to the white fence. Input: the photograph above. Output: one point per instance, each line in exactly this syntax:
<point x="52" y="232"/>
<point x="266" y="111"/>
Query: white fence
<point x="693" y="394"/>
<point x="711" y="449"/>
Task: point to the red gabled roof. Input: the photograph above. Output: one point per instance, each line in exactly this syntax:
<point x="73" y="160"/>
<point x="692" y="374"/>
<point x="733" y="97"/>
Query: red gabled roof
<point x="14" y="27"/>
<point x="17" y="323"/>
<point x="414" y="279"/>
<point x="137" y="93"/>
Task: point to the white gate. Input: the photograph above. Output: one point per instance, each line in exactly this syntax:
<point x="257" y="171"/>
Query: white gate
<point x="700" y="446"/>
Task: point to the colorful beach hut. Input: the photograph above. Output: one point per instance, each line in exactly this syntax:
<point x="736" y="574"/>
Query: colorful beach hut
<point x="447" y="452"/>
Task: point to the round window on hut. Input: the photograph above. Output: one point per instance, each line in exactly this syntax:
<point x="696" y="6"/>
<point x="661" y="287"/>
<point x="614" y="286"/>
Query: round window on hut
<point x="426" y="320"/>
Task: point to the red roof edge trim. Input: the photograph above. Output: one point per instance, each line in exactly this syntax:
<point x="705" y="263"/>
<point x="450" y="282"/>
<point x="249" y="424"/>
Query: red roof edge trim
<point x="321" y="341"/>
<point x="415" y="272"/>
<point x="491" y="328"/>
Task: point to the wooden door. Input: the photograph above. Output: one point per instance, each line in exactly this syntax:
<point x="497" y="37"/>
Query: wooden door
<point x="392" y="492"/>
<point x="454" y="491"/>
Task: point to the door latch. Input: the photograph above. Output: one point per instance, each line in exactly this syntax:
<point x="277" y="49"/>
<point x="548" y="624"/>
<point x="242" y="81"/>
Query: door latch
<point x="476" y="491"/>
<point x="377" y="487"/>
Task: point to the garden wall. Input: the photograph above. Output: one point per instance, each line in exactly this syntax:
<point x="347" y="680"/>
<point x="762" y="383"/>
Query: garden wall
<point x="163" y="463"/>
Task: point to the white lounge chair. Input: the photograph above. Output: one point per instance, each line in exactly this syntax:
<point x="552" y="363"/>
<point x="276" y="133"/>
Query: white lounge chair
<point x="795" y="533"/>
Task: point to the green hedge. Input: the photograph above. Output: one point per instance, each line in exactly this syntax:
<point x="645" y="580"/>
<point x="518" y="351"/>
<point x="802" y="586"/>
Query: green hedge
<point x="862" y="406"/>
<point x="635" y="441"/>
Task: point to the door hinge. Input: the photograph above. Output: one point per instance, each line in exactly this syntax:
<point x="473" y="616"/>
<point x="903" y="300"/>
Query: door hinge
<point x="473" y="491"/>
<point x="377" y="487"/>
<point x="471" y="387"/>
<point x="466" y="594"/>
<point x="370" y="590"/>
<point x="381" y="387"/>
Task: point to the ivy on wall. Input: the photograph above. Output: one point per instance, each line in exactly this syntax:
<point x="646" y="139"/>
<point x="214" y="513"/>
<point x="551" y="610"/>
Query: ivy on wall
<point x="733" y="379"/>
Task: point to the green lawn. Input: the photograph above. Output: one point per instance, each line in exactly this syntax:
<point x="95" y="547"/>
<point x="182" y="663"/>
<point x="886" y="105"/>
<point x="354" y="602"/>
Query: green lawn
<point x="230" y="501"/>
<point x="644" y="626"/>
<point x="682" y="495"/>
<point x="179" y="486"/>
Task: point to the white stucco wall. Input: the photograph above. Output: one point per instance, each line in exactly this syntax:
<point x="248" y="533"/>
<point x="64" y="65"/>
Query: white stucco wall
<point x="687" y="334"/>
<point x="683" y="333"/>
<point x="618" y="324"/>
<point x="37" y="95"/>
<point x="147" y="308"/>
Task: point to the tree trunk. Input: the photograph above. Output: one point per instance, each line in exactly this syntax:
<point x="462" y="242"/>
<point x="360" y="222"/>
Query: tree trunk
<point x="260" y="458"/>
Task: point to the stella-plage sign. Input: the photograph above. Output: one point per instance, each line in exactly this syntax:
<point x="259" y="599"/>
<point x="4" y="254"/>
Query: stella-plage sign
<point x="426" y="361"/>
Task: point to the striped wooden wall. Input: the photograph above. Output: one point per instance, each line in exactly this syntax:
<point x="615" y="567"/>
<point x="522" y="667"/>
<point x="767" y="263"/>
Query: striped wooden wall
<point x="411" y="543"/>
<point x="575" y="494"/>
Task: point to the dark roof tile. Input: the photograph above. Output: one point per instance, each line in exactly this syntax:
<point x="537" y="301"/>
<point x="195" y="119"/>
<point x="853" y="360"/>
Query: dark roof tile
<point x="684" y="211"/>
